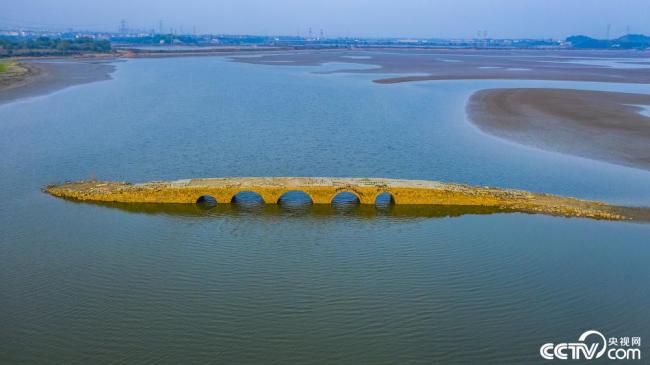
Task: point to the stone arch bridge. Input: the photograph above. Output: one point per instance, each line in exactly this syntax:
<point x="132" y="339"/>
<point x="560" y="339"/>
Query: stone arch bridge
<point x="322" y="190"/>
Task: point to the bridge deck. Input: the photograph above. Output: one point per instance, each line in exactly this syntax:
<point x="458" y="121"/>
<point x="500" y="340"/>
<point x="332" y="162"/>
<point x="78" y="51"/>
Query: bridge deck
<point x="322" y="190"/>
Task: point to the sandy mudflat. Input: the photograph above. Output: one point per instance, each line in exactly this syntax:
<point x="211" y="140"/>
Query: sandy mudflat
<point x="613" y="127"/>
<point x="598" y="125"/>
<point x="44" y="77"/>
<point x="607" y="126"/>
<point x="466" y="64"/>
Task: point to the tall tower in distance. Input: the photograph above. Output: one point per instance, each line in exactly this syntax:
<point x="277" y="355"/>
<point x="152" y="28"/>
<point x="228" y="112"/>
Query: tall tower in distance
<point x="123" y="28"/>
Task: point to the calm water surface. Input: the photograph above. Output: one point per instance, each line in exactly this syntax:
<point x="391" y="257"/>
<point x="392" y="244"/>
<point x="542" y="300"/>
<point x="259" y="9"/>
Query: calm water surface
<point x="87" y="283"/>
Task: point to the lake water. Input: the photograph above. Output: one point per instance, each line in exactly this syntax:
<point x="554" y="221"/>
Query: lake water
<point x="89" y="283"/>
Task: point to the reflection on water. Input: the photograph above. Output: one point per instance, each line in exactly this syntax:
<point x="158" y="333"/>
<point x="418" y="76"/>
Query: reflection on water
<point x="299" y="204"/>
<point x="305" y="210"/>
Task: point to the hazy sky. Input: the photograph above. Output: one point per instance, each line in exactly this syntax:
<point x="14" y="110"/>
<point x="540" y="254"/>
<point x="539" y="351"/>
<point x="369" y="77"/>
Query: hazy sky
<point x="374" y="18"/>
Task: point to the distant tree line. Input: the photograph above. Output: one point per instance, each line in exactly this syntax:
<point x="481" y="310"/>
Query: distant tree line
<point x="45" y="46"/>
<point x="629" y="41"/>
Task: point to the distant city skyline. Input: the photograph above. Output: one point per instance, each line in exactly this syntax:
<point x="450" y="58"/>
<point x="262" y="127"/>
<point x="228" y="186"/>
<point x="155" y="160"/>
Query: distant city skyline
<point x="352" y="18"/>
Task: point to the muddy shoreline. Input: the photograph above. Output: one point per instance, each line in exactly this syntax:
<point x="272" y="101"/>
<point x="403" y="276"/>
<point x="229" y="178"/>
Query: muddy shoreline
<point x="467" y="64"/>
<point x="605" y="126"/>
<point x="44" y="77"/>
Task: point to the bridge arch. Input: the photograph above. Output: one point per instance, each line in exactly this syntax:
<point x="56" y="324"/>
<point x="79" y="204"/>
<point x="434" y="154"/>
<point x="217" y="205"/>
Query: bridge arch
<point x="346" y="197"/>
<point x="206" y="202"/>
<point x="295" y="197"/>
<point x="247" y="197"/>
<point x="385" y="199"/>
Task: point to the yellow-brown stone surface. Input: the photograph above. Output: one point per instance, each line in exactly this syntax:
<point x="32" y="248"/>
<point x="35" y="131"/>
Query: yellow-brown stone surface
<point x="322" y="190"/>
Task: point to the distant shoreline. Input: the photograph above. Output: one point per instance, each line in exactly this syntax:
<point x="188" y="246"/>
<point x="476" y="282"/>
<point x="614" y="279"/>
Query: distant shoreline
<point x="49" y="74"/>
<point x="408" y="65"/>
<point x="606" y="126"/>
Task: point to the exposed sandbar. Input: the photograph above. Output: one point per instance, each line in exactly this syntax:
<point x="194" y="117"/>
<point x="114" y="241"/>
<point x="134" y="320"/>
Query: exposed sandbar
<point x="607" y="126"/>
<point x="44" y="77"/>
<point x="466" y="64"/>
